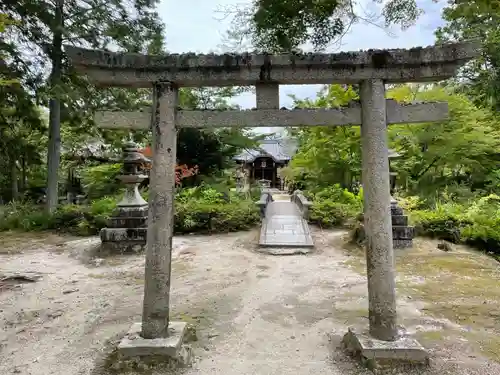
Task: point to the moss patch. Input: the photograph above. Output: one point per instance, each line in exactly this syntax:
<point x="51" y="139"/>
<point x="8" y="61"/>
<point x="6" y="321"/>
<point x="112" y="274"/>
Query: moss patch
<point x="351" y="316"/>
<point x="461" y="286"/>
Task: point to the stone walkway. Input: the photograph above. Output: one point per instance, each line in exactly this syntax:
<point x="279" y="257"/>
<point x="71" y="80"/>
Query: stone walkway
<point x="284" y="225"/>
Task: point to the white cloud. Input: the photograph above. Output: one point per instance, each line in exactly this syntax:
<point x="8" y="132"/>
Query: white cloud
<point x="196" y="26"/>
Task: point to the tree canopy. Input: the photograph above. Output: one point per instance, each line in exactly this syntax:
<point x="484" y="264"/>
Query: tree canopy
<point x="479" y="20"/>
<point x="283" y="26"/>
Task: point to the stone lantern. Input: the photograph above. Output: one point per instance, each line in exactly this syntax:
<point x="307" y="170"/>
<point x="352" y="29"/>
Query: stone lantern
<point x="127" y="229"/>
<point x="402" y="234"/>
<point x="392" y="174"/>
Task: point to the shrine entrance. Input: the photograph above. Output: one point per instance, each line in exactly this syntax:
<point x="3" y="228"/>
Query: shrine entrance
<point x="265" y="169"/>
<point x="371" y="70"/>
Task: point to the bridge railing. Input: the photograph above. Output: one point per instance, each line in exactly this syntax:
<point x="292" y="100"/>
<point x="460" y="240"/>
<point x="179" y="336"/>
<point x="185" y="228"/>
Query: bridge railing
<point x="265" y="198"/>
<point x="302" y="202"/>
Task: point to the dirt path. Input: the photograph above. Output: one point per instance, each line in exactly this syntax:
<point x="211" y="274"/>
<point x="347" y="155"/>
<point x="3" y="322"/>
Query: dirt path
<point x="255" y="313"/>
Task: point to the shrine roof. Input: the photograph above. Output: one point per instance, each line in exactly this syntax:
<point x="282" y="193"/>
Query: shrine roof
<point x="279" y="150"/>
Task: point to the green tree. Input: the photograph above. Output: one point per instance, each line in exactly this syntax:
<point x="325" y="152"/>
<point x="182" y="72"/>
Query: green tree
<point x="283" y="26"/>
<point x="44" y="26"/>
<point x="480" y="20"/>
<point x="461" y="150"/>
<point x="211" y="149"/>
<point x="328" y="155"/>
<point x="459" y="153"/>
<point x="21" y="125"/>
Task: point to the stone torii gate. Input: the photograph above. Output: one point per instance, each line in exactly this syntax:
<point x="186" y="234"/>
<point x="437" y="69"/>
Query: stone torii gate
<point x="370" y="69"/>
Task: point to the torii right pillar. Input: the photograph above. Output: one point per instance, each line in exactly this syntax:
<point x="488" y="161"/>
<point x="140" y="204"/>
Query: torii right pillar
<point x="382" y="343"/>
<point x="378" y="226"/>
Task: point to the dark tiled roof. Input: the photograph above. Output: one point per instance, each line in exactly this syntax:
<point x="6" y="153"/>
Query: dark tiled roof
<point x="280" y="150"/>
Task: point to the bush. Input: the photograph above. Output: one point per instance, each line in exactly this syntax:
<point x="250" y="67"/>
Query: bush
<point x="213" y="218"/>
<point x="197" y="210"/>
<point x="101" y="181"/>
<point x="476" y="224"/>
<point x="24" y="216"/>
<point x="327" y="213"/>
<point x="337" y="194"/>
<point x="335" y="206"/>
<point x="438" y="224"/>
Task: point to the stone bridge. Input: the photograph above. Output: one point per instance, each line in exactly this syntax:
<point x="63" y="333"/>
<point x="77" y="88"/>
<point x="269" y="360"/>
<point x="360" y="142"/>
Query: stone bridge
<point x="284" y="220"/>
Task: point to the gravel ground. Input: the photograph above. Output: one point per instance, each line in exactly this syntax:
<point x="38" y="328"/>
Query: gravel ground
<point x="254" y="313"/>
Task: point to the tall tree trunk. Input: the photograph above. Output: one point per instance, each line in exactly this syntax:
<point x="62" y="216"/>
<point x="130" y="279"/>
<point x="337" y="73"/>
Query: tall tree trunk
<point x="54" y="149"/>
<point x="14" y="182"/>
<point x="24" y="181"/>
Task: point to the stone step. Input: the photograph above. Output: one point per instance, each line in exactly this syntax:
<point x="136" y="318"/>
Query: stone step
<point x="399" y="220"/>
<point x="400" y="232"/>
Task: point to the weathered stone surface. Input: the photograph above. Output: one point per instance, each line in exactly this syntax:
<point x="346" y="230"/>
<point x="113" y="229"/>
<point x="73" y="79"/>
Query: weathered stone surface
<point x="399" y="220"/>
<point x="396" y="210"/>
<point x="284" y="226"/>
<point x="267" y="95"/>
<point x="377" y="220"/>
<point x="302" y="203"/>
<point x="134" y="345"/>
<point x="262" y="203"/>
<point x="124" y="222"/>
<point x="126" y="231"/>
<point x="376" y="353"/>
<point x="403" y="232"/>
<point x="137" y="235"/>
<point x="396" y="114"/>
<point x="129" y="217"/>
<point x="137" y="353"/>
<point x="156" y="305"/>
<point x="279" y="251"/>
<point x="376" y="58"/>
<point x="432" y="63"/>
<point x="123" y="240"/>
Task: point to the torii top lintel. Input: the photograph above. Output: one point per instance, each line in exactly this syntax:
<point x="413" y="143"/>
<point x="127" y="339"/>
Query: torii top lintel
<point x="421" y="64"/>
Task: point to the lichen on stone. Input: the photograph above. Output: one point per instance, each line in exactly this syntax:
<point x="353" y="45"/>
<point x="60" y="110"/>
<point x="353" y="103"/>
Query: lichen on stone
<point x="374" y="58"/>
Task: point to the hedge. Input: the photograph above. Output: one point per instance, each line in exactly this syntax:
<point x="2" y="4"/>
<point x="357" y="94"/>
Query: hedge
<point x="210" y="213"/>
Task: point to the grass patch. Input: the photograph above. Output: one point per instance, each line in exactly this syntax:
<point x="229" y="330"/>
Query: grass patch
<point x="427" y="338"/>
<point x="461" y="286"/>
<point x="354" y="316"/>
<point x="489" y="345"/>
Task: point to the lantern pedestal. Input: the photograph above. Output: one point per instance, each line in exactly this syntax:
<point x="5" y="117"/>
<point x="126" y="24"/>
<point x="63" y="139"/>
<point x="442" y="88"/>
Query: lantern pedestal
<point x="127" y="228"/>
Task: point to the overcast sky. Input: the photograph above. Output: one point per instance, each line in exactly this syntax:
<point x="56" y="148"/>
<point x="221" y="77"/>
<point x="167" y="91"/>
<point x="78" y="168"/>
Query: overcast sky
<point x="197" y="26"/>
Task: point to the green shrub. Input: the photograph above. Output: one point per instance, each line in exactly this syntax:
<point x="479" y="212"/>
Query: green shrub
<point x="483" y="233"/>
<point x="335" y="206"/>
<point x="476" y="224"/>
<point x="205" y="194"/>
<point x="411" y="203"/>
<point x="213" y="218"/>
<point x="23" y="216"/>
<point x="101" y="181"/>
<point x="483" y="228"/>
<point x="327" y="213"/>
<point x="197" y="210"/>
<point x="68" y="217"/>
<point x="336" y="194"/>
<point x="438" y="224"/>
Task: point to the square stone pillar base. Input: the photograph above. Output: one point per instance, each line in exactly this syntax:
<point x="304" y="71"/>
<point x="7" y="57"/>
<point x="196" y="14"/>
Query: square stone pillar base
<point x="378" y="354"/>
<point x="135" y="352"/>
<point x="123" y="240"/>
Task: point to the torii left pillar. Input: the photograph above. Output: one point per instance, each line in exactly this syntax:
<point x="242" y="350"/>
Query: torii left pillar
<point x="157" y="335"/>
